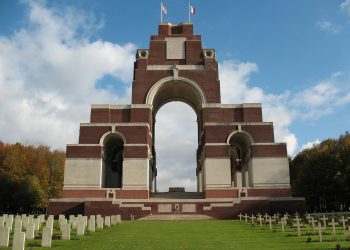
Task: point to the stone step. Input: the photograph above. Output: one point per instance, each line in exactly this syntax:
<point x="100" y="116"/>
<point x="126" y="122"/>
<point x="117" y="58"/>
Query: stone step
<point x="177" y="217"/>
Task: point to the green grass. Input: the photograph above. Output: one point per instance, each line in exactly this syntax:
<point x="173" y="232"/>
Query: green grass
<point x="210" y="234"/>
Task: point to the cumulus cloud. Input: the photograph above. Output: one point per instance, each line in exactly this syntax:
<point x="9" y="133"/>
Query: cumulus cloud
<point x="48" y="75"/>
<point x="329" y="27"/>
<point x="311" y="144"/>
<point x="234" y="78"/>
<point x="345" y="6"/>
<point x="323" y="97"/>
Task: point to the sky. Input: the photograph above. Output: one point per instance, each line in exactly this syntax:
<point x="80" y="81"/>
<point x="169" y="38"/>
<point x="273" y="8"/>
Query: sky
<point x="59" y="57"/>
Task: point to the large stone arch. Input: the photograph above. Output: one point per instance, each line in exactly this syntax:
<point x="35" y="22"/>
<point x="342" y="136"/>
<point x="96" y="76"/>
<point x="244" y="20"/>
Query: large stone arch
<point x="175" y="89"/>
<point x="181" y="89"/>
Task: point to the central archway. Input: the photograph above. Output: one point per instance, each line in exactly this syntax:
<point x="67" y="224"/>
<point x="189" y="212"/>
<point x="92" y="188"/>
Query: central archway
<point x="176" y="145"/>
<point x="180" y="89"/>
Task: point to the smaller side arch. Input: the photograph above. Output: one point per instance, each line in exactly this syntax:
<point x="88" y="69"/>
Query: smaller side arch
<point x="240" y="158"/>
<point x="105" y="135"/>
<point x="251" y="140"/>
<point x="112" y="144"/>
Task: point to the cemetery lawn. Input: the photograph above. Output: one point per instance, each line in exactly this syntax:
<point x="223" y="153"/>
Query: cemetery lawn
<point x="211" y="234"/>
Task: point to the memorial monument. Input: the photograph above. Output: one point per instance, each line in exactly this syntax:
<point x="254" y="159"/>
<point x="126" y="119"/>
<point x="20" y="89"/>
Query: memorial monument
<point x="113" y="169"/>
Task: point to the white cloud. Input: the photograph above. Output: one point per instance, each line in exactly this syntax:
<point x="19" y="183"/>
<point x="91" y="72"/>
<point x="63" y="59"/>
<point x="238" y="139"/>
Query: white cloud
<point x="345" y="6"/>
<point x="323" y="97"/>
<point x="329" y="27"/>
<point x="310" y="144"/>
<point x="234" y="79"/>
<point x="48" y="75"/>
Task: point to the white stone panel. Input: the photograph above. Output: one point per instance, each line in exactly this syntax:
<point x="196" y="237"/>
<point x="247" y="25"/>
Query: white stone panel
<point x="217" y="173"/>
<point x="164" y="208"/>
<point x="188" y="208"/>
<point x="175" y="47"/>
<point x="270" y="172"/>
<point x="135" y="173"/>
<point x="82" y="173"/>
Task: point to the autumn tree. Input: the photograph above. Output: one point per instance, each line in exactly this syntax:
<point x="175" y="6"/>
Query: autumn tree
<point x="321" y="174"/>
<point x="29" y="176"/>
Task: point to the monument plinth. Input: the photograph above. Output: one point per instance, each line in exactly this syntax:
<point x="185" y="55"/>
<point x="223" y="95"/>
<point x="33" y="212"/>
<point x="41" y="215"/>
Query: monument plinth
<point x="240" y="168"/>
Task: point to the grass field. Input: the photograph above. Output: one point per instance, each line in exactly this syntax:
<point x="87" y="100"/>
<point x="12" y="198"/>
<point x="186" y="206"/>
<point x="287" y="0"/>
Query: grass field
<point x="192" y="235"/>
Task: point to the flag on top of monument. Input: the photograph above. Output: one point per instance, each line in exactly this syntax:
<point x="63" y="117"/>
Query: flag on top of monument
<point x="192" y="10"/>
<point x="164" y="9"/>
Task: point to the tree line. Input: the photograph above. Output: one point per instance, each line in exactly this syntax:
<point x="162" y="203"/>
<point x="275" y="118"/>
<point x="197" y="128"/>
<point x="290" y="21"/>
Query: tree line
<point x="321" y="174"/>
<point x="29" y="177"/>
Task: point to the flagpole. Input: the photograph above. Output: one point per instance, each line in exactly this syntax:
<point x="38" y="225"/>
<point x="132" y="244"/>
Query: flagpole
<point x="189" y="11"/>
<point x="161" y="12"/>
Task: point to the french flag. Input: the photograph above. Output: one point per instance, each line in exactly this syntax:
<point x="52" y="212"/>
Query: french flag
<point x="192" y="10"/>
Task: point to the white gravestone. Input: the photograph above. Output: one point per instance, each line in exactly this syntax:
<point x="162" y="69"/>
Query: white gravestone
<point x="343" y="220"/>
<point x="2" y="221"/>
<point x="319" y="228"/>
<point x="9" y="222"/>
<point x="99" y="222"/>
<point x="18" y="225"/>
<point x="324" y="219"/>
<point x="333" y="224"/>
<point x="81" y="228"/>
<point x="37" y="224"/>
<point x="298" y="225"/>
<point x="4" y="236"/>
<point x="46" y="237"/>
<point x="30" y="231"/>
<point x="49" y="224"/>
<point x="118" y="219"/>
<point x="108" y="221"/>
<point x="18" y="241"/>
<point x="66" y="232"/>
<point x="92" y="224"/>
<point x="113" y="220"/>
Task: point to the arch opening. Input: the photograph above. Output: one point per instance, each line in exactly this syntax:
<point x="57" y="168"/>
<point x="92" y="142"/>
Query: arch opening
<point x="240" y="158"/>
<point x="176" y="145"/>
<point x="112" y="165"/>
<point x="172" y="92"/>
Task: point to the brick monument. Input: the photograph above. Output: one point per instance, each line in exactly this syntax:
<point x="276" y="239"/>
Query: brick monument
<point x="240" y="168"/>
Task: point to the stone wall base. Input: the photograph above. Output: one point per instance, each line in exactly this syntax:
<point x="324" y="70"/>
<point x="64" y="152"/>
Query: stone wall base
<point x="218" y="209"/>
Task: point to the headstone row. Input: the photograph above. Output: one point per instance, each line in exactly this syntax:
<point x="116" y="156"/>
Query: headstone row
<point x="320" y="224"/>
<point x="24" y="227"/>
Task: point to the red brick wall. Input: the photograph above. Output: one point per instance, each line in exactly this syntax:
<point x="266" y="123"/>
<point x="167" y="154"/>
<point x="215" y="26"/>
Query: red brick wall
<point x="103" y="115"/>
<point x="132" y="194"/>
<point x="270" y="192"/>
<point x="252" y="115"/>
<point x="277" y="150"/>
<point x="141" y="115"/>
<point x="83" y="151"/>
<point x="260" y="133"/>
<point x="92" y="135"/>
<point x="135" y="152"/>
<point x="133" y="134"/>
<point x="84" y="193"/>
<point x="221" y="193"/>
<point x="212" y="151"/>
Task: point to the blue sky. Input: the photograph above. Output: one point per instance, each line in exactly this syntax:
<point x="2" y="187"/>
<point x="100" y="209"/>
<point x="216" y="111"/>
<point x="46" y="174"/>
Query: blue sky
<point x="58" y="57"/>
